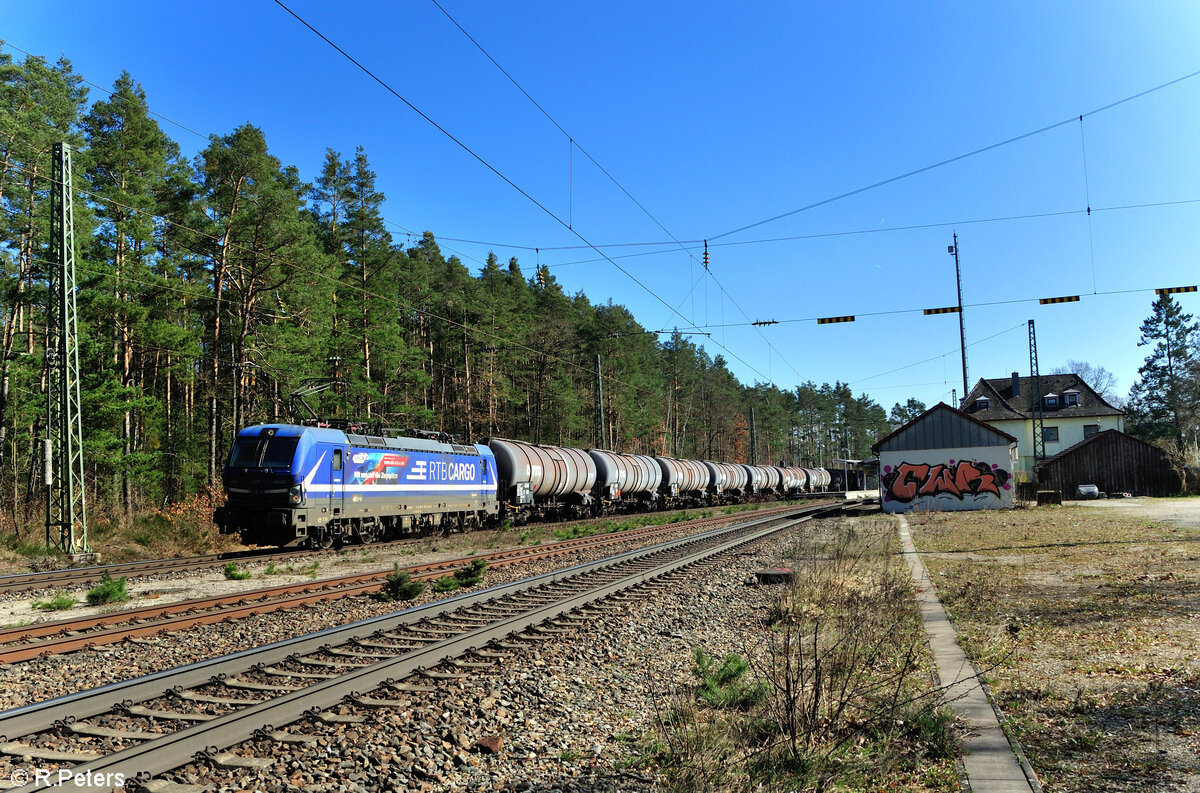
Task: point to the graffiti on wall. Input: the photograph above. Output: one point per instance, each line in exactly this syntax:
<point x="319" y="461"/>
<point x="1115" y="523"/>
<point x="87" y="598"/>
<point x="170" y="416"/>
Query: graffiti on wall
<point x="962" y="479"/>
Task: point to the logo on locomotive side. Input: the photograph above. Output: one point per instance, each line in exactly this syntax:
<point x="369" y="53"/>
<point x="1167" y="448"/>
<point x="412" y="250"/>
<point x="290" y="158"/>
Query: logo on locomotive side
<point x="418" y="472"/>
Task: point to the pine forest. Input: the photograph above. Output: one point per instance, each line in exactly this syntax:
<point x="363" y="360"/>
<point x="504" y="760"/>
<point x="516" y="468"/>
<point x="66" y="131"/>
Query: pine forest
<point x="212" y="288"/>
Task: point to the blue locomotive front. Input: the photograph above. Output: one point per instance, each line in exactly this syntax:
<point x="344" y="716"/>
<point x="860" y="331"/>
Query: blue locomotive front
<point x="288" y="484"/>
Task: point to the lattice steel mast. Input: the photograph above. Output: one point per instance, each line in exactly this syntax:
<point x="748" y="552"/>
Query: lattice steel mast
<point x="1035" y="399"/>
<point x="66" y="505"/>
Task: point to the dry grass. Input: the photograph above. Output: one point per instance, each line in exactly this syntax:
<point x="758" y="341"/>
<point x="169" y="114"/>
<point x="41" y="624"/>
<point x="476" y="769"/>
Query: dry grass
<point x="1087" y="618"/>
<point x="835" y="692"/>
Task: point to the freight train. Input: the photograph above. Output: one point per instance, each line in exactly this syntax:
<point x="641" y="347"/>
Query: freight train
<point x="323" y="483"/>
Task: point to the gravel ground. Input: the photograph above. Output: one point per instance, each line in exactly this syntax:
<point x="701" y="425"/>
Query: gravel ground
<point x="1175" y="511"/>
<point x="566" y="714"/>
<point x="46" y="678"/>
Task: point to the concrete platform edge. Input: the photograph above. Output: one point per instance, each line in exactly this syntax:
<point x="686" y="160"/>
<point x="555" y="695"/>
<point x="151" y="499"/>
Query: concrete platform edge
<point x="986" y="770"/>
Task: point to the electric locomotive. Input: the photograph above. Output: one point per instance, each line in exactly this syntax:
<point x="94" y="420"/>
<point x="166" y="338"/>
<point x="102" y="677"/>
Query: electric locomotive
<point x="333" y="482"/>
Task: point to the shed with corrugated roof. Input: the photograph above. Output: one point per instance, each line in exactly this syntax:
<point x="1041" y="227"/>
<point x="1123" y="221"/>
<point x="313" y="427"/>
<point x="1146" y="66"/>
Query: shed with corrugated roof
<point x="946" y="460"/>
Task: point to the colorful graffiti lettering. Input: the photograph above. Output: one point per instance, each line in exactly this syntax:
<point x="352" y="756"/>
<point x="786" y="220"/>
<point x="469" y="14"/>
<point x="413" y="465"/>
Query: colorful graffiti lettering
<point x="908" y="481"/>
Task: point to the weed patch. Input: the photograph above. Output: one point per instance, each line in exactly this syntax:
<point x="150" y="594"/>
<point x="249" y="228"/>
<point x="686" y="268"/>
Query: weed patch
<point x="232" y="573"/>
<point x="60" y="602"/>
<point x="109" y="590"/>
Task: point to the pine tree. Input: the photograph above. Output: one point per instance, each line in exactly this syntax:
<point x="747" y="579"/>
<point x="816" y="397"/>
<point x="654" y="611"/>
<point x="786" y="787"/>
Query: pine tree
<point x="261" y="332"/>
<point x="40" y="105"/>
<point x="127" y="162"/>
<point x="1162" y="404"/>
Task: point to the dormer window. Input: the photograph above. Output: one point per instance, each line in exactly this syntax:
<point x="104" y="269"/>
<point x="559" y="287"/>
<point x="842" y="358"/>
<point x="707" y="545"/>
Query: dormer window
<point x="1070" y="398"/>
<point x="983" y="403"/>
<point x="1050" y="400"/>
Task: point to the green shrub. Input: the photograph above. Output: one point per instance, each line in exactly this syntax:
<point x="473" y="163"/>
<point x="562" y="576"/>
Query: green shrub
<point x="60" y="602"/>
<point x="446" y="583"/>
<point x="399" y="586"/>
<point x="271" y="569"/>
<point x="233" y="574"/>
<point x="723" y="686"/>
<point x="109" y="590"/>
<point x="471" y="575"/>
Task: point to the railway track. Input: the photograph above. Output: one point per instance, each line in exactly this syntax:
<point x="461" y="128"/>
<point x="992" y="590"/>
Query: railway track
<point x="137" y="730"/>
<point x="79" y="576"/>
<point x="24" y="642"/>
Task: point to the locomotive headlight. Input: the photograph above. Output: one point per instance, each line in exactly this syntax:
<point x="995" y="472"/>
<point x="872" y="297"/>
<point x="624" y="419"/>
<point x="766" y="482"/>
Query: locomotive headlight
<point x="296" y="494"/>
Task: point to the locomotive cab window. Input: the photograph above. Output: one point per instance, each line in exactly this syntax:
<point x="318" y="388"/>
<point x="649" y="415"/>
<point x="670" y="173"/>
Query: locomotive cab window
<point x="263" y="452"/>
<point x="337" y="459"/>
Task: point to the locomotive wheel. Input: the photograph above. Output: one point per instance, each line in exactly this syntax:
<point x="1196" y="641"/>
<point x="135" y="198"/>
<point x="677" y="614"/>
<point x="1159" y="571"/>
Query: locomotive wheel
<point x="370" y="530"/>
<point x="322" y="540"/>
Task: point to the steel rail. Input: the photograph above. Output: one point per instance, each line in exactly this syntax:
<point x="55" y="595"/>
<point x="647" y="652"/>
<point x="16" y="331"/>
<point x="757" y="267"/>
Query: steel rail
<point x="41" y="716"/>
<point x="156" y="756"/>
<point x="62" y="636"/>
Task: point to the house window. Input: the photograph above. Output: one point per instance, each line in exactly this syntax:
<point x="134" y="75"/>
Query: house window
<point x="1051" y="400"/>
<point x="1090" y="429"/>
<point x="1050" y="434"/>
<point x="982" y="404"/>
<point x="1070" y="398"/>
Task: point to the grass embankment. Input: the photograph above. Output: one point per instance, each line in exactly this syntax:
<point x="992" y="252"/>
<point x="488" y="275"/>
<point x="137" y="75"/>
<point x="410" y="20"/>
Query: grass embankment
<point x="184" y="529"/>
<point x="1085" y="620"/>
<point x="833" y="690"/>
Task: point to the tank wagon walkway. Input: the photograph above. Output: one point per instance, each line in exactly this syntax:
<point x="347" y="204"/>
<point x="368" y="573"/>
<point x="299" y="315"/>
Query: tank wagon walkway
<point x="991" y="762"/>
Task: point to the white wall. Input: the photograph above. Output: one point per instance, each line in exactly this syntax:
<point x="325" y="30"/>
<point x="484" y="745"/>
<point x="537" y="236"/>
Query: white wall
<point x="930" y="480"/>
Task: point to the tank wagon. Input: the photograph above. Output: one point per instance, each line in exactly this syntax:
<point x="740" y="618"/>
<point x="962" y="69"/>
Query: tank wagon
<point x="684" y="482"/>
<point x="727" y="483"/>
<point x="625" y="481"/>
<point x="543" y="481"/>
<point x="289" y="485"/>
<point x="818" y="480"/>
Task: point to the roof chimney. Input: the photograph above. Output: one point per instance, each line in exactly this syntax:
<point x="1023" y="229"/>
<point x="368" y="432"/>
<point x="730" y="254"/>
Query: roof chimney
<point x="1016" y="385"/>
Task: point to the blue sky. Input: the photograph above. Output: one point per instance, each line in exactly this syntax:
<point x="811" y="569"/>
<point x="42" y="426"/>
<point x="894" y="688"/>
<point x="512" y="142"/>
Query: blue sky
<point x="715" y="116"/>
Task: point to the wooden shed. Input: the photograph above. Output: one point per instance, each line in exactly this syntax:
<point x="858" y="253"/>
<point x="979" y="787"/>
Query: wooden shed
<point x="1112" y="461"/>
